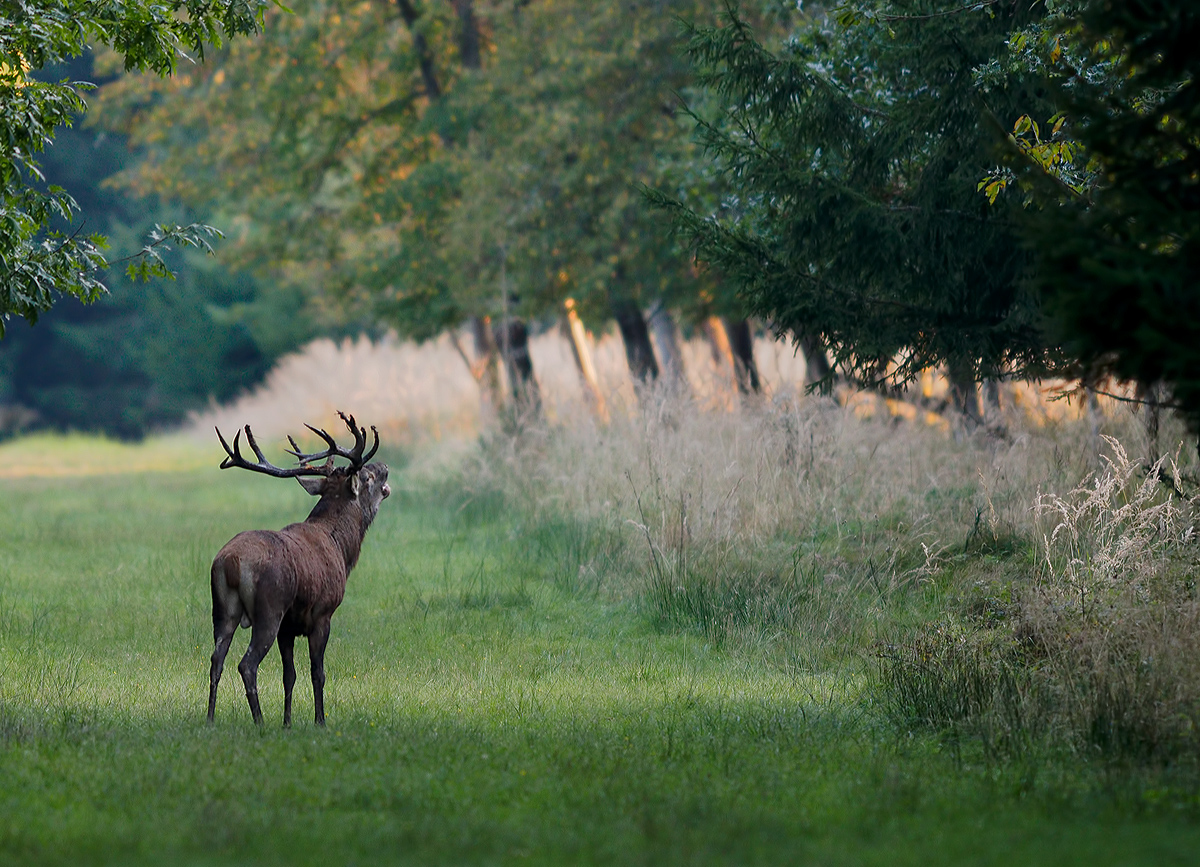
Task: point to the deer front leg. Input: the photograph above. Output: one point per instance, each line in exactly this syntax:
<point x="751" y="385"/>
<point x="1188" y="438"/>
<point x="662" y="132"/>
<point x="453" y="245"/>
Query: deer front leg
<point x="287" y="647"/>
<point x="262" y="636"/>
<point x="317" y="640"/>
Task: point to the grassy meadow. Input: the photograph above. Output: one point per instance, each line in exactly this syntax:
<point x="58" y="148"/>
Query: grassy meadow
<point x="667" y="641"/>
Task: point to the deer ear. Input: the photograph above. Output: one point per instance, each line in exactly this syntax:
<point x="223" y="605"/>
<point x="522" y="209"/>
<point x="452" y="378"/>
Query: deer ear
<point x="355" y="485"/>
<point x="313" y="486"/>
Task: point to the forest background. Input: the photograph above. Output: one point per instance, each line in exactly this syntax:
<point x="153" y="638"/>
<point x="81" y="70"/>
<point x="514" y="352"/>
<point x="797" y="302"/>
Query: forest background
<point x="424" y="168"/>
<point x="378" y="177"/>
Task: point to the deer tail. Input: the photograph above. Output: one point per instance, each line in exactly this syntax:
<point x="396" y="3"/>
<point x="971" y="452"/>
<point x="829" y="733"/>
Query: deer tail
<point x="227" y="580"/>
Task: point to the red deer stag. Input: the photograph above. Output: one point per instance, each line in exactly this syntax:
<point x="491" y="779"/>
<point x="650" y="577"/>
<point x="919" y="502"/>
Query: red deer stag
<point x="288" y="583"/>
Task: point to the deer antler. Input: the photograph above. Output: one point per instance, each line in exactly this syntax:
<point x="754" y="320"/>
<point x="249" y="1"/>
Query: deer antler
<point x="354" y="455"/>
<point x="236" y="459"/>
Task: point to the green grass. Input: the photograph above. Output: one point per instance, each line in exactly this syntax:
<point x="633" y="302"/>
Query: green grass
<point x="480" y="711"/>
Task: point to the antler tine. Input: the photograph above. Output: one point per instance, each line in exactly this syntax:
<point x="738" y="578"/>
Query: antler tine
<point x="225" y="464"/>
<point x="254" y="445"/>
<point x="294" y="451"/>
<point x="238" y="460"/>
<point x="303" y="458"/>
<point x="374" y="448"/>
<point x="356" y="456"/>
<point x="329" y="441"/>
<point x="234" y="453"/>
<point x="360" y="436"/>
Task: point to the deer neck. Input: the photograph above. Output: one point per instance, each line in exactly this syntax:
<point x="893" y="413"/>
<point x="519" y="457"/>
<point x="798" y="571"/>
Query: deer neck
<point x="346" y="524"/>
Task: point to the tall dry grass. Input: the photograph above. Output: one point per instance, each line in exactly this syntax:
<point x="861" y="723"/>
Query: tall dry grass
<point x="419" y="394"/>
<point x="796" y="517"/>
<point x="1028" y="587"/>
<point x="422" y="393"/>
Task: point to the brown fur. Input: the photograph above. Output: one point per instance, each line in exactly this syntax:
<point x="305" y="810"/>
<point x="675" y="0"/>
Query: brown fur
<point x="288" y="583"/>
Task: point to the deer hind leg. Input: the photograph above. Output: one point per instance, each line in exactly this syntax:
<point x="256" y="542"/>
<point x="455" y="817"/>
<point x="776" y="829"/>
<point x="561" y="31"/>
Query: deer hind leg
<point x="262" y="636"/>
<point x="317" y="640"/>
<point x="222" y="639"/>
<point x="287" y="647"/>
<point x="227" y="612"/>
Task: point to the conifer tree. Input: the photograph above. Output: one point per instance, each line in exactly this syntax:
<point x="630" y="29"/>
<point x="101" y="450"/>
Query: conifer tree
<point x="852" y="160"/>
<point x="1119" y="260"/>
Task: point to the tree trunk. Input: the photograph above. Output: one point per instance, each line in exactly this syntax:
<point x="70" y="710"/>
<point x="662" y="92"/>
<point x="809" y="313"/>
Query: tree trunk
<point x="512" y="338"/>
<point x="1091" y="403"/>
<point x="991" y="394"/>
<point x="468" y="34"/>
<point x="486" y="368"/>
<point x="583" y="361"/>
<point x="667" y="338"/>
<point x="408" y="12"/>
<point x="992" y="404"/>
<point x="718" y="340"/>
<point x="964" y="394"/>
<point x="816" y="362"/>
<point x="1149" y="394"/>
<point x="741" y="345"/>
<point x="638" y="351"/>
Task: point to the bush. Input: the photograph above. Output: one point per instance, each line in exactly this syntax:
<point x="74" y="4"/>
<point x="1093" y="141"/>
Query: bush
<point x="1097" y="655"/>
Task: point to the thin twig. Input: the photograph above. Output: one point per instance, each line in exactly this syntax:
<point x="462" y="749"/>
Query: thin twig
<point x="970" y="7"/>
<point x="140" y="253"/>
<point x="1067" y="395"/>
<point x="68" y="240"/>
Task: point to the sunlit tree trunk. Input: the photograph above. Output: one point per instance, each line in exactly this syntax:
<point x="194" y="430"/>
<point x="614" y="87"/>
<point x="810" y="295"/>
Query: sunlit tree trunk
<point x="486" y="368"/>
<point x="718" y="341"/>
<point x="573" y="326"/>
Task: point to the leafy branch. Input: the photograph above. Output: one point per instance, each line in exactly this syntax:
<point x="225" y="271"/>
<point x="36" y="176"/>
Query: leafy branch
<point x="148" y="261"/>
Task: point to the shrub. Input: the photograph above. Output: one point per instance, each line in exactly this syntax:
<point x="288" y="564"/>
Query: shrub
<point x="1097" y="653"/>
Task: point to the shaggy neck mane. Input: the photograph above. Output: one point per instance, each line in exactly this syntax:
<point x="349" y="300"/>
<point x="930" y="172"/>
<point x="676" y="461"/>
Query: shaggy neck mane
<point x="347" y="523"/>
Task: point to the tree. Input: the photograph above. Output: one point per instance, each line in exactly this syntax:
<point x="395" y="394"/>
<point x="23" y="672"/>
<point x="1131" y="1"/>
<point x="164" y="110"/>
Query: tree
<point x="853" y="159"/>
<point x="439" y="162"/>
<point x="1119" y="253"/>
<point x="40" y="262"/>
<point x="327" y="141"/>
<point x="331" y="142"/>
<point x="578" y="109"/>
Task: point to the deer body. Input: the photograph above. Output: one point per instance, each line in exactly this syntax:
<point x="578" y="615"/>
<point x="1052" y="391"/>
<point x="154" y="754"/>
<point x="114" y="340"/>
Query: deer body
<point x="288" y="583"/>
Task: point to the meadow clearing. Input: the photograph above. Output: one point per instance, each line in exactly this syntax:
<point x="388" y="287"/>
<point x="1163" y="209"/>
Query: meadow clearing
<point x="786" y="633"/>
